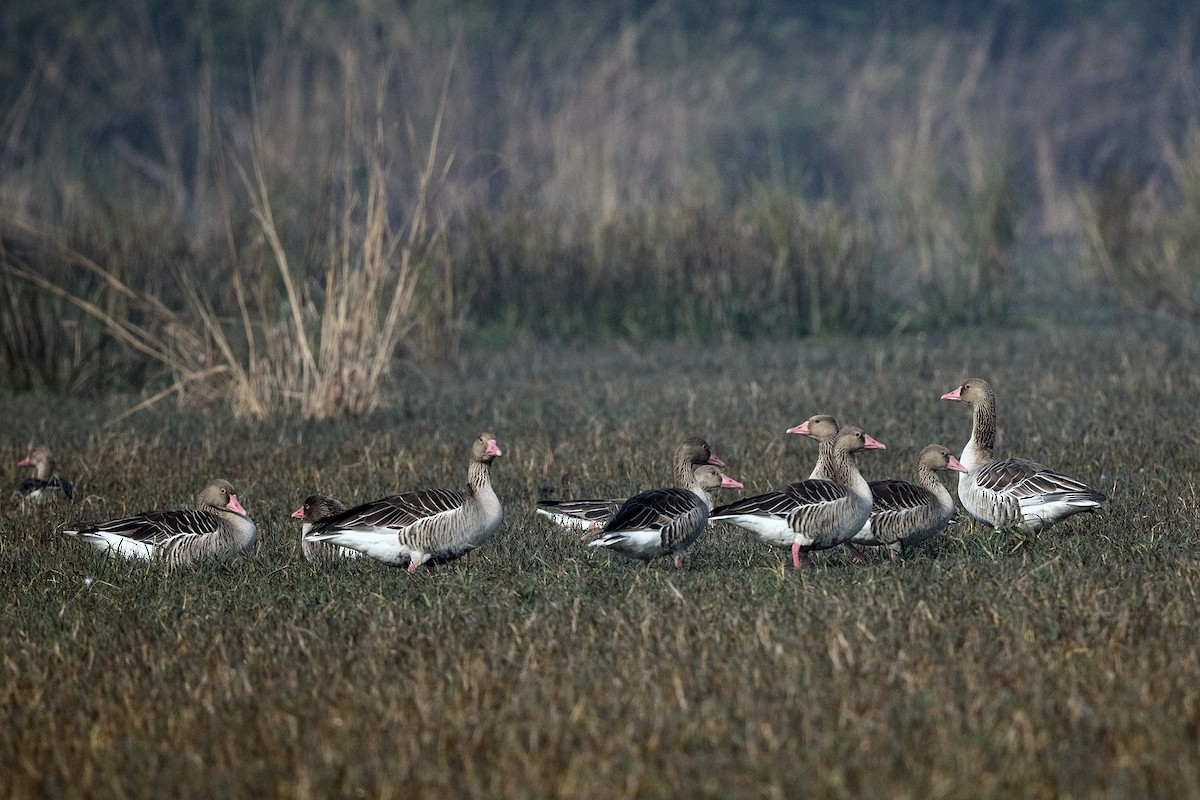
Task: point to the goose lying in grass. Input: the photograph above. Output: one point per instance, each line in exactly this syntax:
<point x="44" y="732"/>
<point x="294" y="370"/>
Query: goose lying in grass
<point x="317" y="508"/>
<point x="664" y="522"/>
<point x="44" y="484"/>
<point x="217" y="529"/>
<point x="592" y="515"/>
<point x="814" y="514"/>
<point x="428" y="526"/>
<point x="1013" y="492"/>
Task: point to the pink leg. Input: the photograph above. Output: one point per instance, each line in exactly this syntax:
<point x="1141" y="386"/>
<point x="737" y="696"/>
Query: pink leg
<point x="678" y="562"/>
<point x="795" y="555"/>
<point x="798" y="558"/>
<point x="856" y="555"/>
<point x="412" y="567"/>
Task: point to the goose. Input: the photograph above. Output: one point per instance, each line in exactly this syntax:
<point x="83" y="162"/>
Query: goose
<point x="814" y="514"/>
<point x="318" y="507"/>
<point x="591" y="515"/>
<point x="1013" y="492"/>
<point x="218" y="528"/>
<point x="824" y="429"/>
<point x="904" y="514"/>
<point x="427" y="526"/>
<point x="44" y="485"/>
<point x="664" y="522"/>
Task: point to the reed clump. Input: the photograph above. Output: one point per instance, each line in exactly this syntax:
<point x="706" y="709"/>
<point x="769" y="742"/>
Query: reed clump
<point x="288" y="220"/>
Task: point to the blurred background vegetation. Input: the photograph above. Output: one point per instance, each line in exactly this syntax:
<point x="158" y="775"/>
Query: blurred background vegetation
<point x="253" y="200"/>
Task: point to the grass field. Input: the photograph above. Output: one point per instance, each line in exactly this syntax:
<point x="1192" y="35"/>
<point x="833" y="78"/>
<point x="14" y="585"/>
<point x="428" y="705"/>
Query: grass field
<point x="980" y="666"/>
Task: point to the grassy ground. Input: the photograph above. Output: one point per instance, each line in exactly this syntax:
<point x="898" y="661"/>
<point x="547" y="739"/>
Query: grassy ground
<point x="981" y="666"/>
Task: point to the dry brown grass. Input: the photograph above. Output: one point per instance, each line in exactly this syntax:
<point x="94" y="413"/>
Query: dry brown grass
<point x="981" y="666"/>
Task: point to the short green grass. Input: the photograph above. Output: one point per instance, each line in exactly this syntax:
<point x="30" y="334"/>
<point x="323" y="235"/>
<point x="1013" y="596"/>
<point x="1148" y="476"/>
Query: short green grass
<point x="981" y="666"/>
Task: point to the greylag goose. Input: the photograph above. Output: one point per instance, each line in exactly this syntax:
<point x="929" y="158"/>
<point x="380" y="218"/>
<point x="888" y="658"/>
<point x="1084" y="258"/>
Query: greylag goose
<point x="814" y="514"/>
<point x="589" y="515"/>
<point x="904" y="514"/>
<point x="218" y="528"/>
<point x="431" y="525"/>
<point x="1015" y="492"/>
<point x="318" y="507"/>
<point x="45" y="484"/>
<point x="824" y="429"/>
<point x="664" y="521"/>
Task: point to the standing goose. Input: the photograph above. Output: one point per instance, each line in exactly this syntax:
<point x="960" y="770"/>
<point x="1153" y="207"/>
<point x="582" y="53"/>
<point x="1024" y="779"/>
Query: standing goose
<point x="814" y="514"/>
<point x="824" y="429"/>
<point x="318" y="507"/>
<point x="904" y="514"/>
<point x="44" y="485"/>
<point x="218" y="528"/>
<point x="664" y="521"/>
<point x="588" y="515"/>
<point x="1013" y="492"/>
<point x="431" y="525"/>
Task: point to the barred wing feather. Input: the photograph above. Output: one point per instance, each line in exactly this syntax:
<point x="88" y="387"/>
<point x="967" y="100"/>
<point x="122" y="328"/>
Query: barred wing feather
<point x="897" y="495"/>
<point x="396" y="512"/>
<point x="158" y="527"/>
<point x="1027" y="479"/>
<point x="653" y="509"/>
<point x="580" y="513"/>
<point x="781" y="503"/>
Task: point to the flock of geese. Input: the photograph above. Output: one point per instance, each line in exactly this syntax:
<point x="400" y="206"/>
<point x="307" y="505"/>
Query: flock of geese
<point x="834" y="506"/>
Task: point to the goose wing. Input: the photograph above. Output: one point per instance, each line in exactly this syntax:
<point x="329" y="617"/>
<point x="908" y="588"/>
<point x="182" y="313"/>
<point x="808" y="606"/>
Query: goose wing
<point x="769" y="504"/>
<point x="596" y="512"/>
<point x="27" y="487"/>
<point x="786" y="501"/>
<point x="814" y="497"/>
<point x="655" y="509"/>
<point x="395" y="512"/>
<point x="1027" y="480"/>
<point x="896" y="495"/>
<point x="157" y="527"/>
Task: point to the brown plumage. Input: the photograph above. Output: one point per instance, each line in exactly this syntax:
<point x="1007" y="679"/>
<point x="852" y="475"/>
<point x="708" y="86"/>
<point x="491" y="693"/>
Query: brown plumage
<point x="429" y="526"/>
<point x="824" y="429"/>
<point x="317" y="508"/>
<point x="44" y="484"/>
<point x="592" y="515"/>
<point x="664" y="521"/>
<point x="904" y="514"/>
<point x="813" y="514"/>
<point x="218" y="528"/>
<point x="1012" y="491"/>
